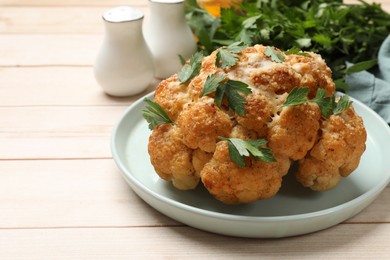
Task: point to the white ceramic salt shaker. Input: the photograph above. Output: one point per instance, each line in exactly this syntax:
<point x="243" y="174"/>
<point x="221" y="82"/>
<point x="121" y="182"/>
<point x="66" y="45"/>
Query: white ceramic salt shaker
<point x="124" y="65"/>
<point x="168" y="36"/>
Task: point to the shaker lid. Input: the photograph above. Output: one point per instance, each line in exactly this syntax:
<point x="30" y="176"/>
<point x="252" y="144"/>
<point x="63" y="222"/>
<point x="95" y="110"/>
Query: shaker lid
<point x="122" y="14"/>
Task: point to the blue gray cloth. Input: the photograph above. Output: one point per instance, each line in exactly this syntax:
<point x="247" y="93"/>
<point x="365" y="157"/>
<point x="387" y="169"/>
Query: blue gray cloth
<point x="374" y="89"/>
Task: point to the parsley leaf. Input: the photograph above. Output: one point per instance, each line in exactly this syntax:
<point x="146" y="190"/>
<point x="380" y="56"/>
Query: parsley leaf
<point x="227" y="56"/>
<point x="232" y="89"/>
<point x="274" y="54"/>
<point x="364" y="65"/>
<point x="297" y="51"/>
<point x="191" y="70"/>
<point x="239" y="149"/>
<point x="155" y="114"/>
<point x="342" y="105"/>
<point x="327" y="105"/>
<point x="212" y="83"/>
<point x="297" y="96"/>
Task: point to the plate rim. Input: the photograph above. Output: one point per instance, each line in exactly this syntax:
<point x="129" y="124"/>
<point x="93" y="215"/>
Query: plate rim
<point x="126" y="173"/>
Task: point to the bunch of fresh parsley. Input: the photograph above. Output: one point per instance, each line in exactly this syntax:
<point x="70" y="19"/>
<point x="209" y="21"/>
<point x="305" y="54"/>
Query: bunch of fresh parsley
<point x="337" y="31"/>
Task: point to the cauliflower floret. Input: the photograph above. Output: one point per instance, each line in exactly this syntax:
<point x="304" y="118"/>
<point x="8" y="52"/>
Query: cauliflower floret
<point x="259" y="111"/>
<point x="232" y="185"/>
<point x="202" y="122"/>
<point x="171" y="158"/>
<point x="336" y="154"/>
<point x="171" y="96"/>
<point x="294" y="132"/>
<point x="199" y="159"/>
<point x="313" y="71"/>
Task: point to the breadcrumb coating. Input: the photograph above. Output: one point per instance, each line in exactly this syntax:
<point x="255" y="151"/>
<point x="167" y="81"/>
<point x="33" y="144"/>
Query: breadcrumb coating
<point x="202" y="122"/>
<point x="232" y="185"/>
<point x="294" y="132"/>
<point x="172" y="160"/>
<point x="327" y="148"/>
<point x="336" y="154"/>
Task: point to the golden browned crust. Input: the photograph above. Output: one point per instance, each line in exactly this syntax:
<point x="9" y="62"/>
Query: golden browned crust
<point x="231" y="184"/>
<point x="336" y="154"/>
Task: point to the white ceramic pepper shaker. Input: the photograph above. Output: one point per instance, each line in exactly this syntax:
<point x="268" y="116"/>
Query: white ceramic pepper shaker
<point x="168" y="36"/>
<point x="124" y="65"/>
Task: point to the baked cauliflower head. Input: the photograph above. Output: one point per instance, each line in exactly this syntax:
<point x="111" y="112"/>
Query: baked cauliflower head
<point x="236" y="120"/>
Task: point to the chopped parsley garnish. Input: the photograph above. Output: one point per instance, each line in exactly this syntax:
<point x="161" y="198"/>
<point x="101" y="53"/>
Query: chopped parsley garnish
<point x="240" y="149"/>
<point x="327" y="105"/>
<point x="342" y="105"/>
<point x="212" y="83"/>
<point x="230" y="88"/>
<point x="155" y="114"/>
<point x="297" y="51"/>
<point x="227" y="56"/>
<point x="274" y="54"/>
<point x="191" y="70"/>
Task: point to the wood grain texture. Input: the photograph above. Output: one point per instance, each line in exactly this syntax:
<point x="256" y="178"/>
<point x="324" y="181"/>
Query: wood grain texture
<point x="49" y="50"/>
<point x="340" y="242"/>
<point x="61" y="194"/>
<point x="56" y="86"/>
<point x="70" y="193"/>
<point x="92" y="193"/>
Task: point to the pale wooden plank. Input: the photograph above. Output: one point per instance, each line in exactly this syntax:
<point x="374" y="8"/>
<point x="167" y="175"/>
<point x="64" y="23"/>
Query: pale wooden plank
<point x="92" y="193"/>
<point x="37" y="50"/>
<point x="70" y="193"/>
<point x="56" y="20"/>
<point x="378" y="211"/>
<point x="56" y="86"/>
<point x="340" y="242"/>
<point x="51" y="20"/>
<point x="57" y="132"/>
<point x="72" y="2"/>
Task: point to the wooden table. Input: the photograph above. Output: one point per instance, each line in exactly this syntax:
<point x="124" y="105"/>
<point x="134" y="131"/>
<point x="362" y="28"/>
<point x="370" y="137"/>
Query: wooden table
<point x="61" y="194"/>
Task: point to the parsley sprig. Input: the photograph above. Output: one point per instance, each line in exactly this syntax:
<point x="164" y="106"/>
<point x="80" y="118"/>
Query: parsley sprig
<point x="297" y="51"/>
<point x="240" y="149"/>
<point x="227" y="56"/>
<point x="327" y="105"/>
<point x="155" y="115"/>
<point x="191" y="70"/>
<point x="229" y="88"/>
<point x="274" y="54"/>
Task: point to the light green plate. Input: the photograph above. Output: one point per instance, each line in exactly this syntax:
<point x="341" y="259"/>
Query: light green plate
<point x="293" y="211"/>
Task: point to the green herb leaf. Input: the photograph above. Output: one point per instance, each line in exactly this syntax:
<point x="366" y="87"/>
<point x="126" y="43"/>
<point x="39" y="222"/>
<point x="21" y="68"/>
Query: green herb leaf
<point x="155" y="114"/>
<point x="297" y="51"/>
<point x="342" y="105"/>
<point x="327" y="105"/>
<point x="191" y="70"/>
<point x="227" y="56"/>
<point x="225" y="59"/>
<point x="342" y="85"/>
<point x="324" y="103"/>
<point x="297" y="96"/>
<point x="274" y="54"/>
<point x="364" y="65"/>
<point x="182" y="60"/>
<point x="212" y="83"/>
<point x="232" y="90"/>
<point x="239" y="149"/>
